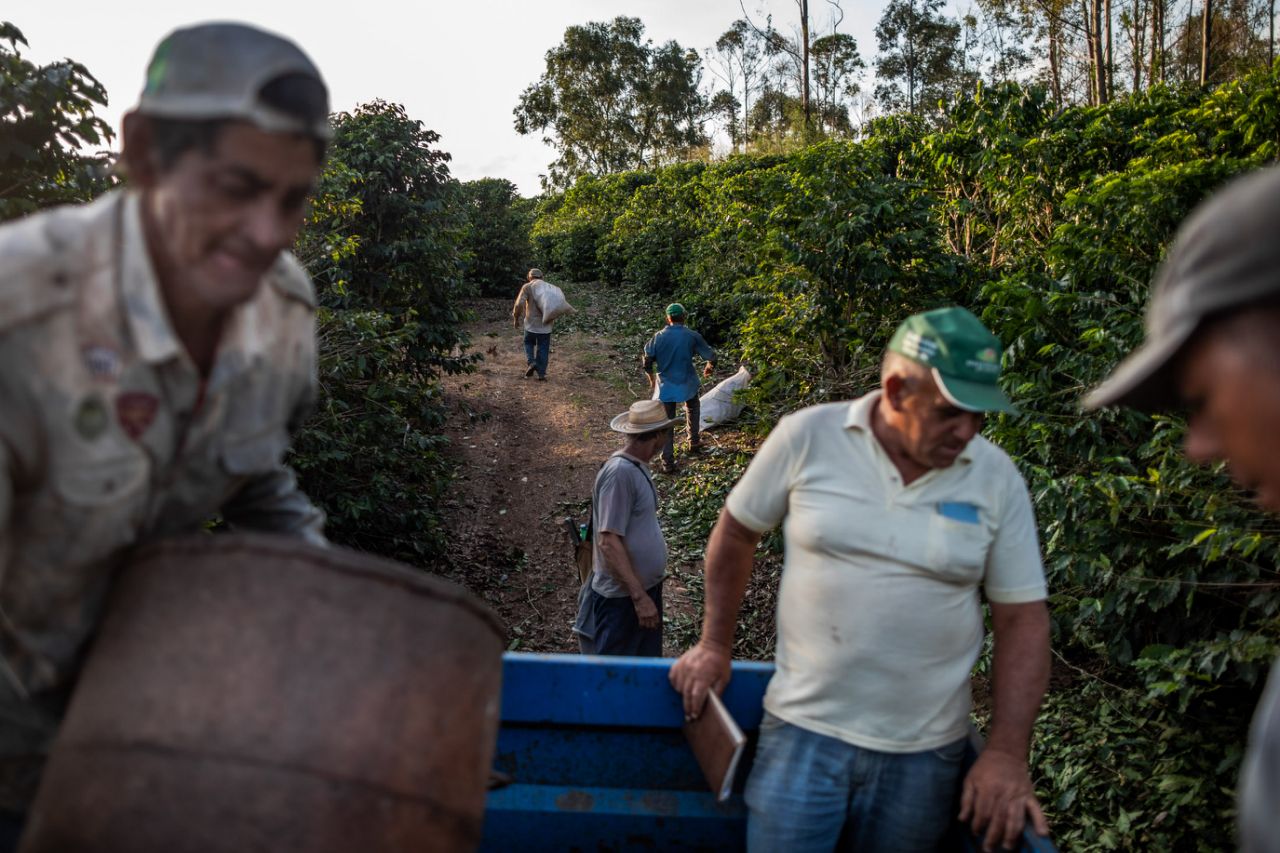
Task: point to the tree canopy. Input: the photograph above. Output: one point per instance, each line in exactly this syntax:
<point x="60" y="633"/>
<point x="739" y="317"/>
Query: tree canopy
<point x="918" y="55"/>
<point x="613" y="101"/>
<point x="46" y="121"/>
<point x="497" y="235"/>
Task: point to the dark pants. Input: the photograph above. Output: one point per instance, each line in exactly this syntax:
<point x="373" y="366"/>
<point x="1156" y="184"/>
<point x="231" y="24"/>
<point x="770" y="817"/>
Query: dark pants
<point x="693" y="413"/>
<point x="537" y="349"/>
<point x="618" y="631"/>
<point x="11" y="824"/>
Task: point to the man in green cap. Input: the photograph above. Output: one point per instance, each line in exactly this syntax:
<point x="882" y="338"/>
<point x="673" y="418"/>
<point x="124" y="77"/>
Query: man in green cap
<point x="894" y="512"/>
<point x="670" y="352"/>
<point x="1213" y="349"/>
<point x="157" y="347"/>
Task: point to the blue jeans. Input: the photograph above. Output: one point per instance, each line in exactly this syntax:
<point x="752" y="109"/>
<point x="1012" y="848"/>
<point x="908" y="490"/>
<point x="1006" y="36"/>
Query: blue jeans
<point x="537" y="359"/>
<point x="805" y="789"/>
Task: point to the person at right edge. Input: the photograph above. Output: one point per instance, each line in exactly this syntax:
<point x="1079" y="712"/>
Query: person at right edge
<point x="894" y="512"/>
<point x="1213" y="349"/>
<point x="671" y="351"/>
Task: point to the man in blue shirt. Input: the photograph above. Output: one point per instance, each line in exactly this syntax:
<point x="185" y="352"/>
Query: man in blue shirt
<point x="671" y="351"/>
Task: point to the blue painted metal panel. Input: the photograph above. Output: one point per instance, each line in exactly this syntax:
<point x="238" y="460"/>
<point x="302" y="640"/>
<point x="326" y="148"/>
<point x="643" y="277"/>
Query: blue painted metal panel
<point x="614" y="691"/>
<point x="580" y="799"/>
<point x="563" y="818"/>
<point x="599" y="763"/>
<point x="542" y="755"/>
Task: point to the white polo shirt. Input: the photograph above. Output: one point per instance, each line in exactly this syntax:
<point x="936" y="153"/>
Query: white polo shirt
<point x="879" y="622"/>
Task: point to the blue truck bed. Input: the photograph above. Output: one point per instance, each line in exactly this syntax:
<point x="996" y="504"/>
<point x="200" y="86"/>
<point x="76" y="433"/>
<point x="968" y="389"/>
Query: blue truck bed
<point x="593" y="758"/>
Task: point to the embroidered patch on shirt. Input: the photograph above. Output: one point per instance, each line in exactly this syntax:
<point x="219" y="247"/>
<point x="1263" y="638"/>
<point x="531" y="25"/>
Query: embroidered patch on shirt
<point x="135" y="410"/>
<point x="965" y="513"/>
<point x="103" y="362"/>
<point x="91" y="417"/>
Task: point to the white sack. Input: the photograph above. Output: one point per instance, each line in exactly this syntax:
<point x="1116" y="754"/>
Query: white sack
<point x="718" y="405"/>
<point x="552" y="303"/>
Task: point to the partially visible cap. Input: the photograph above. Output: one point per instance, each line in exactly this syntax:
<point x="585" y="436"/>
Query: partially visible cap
<point x="675" y="309"/>
<point x="218" y="71"/>
<point x="963" y="355"/>
<point x="1225" y="255"/>
<point x="535" y="273"/>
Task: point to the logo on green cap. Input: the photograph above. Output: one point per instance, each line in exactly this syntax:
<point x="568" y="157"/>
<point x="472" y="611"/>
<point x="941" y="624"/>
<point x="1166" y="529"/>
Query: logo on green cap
<point x="964" y="356"/>
<point x="916" y="346"/>
<point x="985" y="361"/>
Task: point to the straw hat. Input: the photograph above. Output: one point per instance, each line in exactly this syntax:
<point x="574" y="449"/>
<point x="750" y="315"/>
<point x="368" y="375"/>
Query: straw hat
<point x="644" y="416"/>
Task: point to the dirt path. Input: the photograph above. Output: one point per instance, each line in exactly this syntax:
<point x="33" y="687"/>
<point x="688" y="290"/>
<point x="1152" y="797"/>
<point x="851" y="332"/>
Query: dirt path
<point x="527" y="453"/>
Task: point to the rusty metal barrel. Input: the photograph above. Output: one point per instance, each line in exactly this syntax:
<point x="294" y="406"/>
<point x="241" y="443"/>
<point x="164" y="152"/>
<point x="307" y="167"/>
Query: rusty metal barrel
<point x="253" y="693"/>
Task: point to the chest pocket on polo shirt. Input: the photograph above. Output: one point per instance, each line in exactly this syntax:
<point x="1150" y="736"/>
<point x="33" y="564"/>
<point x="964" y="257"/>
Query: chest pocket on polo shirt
<point x="101" y="504"/>
<point x="959" y="541"/>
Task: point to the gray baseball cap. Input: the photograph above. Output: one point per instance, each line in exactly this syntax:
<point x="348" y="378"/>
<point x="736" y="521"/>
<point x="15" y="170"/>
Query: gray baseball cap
<point x="1226" y="255"/>
<point x="218" y="71"/>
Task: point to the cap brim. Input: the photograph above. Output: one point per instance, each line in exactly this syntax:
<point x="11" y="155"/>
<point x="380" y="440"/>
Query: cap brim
<point x="622" y="423"/>
<point x="973" y="396"/>
<point x="193" y="108"/>
<point x="1145" y="379"/>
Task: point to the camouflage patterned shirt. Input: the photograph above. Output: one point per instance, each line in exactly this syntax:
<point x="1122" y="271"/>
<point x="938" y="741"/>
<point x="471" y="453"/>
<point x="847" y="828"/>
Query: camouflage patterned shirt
<point x="110" y="437"/>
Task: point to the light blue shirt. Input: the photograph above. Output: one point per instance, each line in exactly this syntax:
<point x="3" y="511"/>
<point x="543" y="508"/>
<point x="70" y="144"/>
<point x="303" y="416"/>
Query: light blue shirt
<point x="672" y="350"/>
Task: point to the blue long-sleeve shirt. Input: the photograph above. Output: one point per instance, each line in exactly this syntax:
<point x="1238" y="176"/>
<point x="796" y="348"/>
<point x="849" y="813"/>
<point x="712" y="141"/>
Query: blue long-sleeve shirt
<point x="672" y="351"/>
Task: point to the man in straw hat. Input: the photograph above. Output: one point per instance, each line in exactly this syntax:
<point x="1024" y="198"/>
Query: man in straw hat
<point x="1213" y="348"/>
<point x="620" y="606"/>
<point x="157" y="347"/>
<point x="895" y="511"/>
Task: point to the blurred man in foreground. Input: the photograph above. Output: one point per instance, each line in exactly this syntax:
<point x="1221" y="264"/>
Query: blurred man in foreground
<point x="1213" y="348"/>
<point x="157" y="347"/>
<point x="894" y="511"/>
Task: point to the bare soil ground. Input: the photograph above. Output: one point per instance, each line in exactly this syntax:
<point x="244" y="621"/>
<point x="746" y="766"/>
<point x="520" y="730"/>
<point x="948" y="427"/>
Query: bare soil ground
<point x="527" y="453"/>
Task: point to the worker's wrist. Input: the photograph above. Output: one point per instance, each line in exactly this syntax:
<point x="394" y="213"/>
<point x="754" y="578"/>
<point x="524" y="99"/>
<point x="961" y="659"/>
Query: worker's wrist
<point x="715" y="644"/>
<point x="1012" y="748"/>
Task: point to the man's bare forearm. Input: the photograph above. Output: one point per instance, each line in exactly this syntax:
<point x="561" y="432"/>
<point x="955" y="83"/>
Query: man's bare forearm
<point x="730" y="552"/>
<point x="617" y="563"/>
<point x="518" y="309"/>
<point x="1020" y="674"/>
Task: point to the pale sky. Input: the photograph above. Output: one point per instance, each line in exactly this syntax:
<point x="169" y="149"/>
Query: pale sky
<point x="458" y="67"/>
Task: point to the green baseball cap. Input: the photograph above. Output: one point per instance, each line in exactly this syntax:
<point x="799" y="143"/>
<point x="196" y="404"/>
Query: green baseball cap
<point x="219" y="71"/>
<point x="963" y="355"/>
<point x="675" y="309"/>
